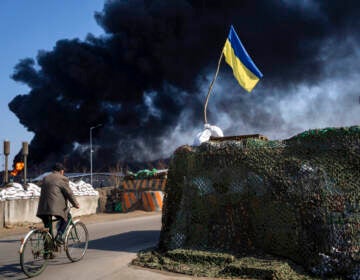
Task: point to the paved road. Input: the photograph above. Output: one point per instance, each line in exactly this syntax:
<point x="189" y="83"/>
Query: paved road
<point x="112" y="246"/>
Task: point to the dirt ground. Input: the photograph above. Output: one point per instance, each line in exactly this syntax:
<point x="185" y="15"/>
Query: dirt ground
<point x="88" y="219"/>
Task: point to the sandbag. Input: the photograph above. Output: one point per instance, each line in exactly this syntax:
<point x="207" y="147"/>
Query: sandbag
<point x="209" y="130"/>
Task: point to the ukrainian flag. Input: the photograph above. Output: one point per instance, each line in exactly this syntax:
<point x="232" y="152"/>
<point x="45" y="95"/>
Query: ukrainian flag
<point x="244" y="69"/>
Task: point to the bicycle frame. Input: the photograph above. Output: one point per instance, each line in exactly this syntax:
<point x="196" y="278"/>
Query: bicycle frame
<point x="68" y="224"/>
<point x="71" y="222"/>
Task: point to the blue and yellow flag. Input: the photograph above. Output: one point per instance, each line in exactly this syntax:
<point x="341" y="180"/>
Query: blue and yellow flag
<point x="244" y="69"/>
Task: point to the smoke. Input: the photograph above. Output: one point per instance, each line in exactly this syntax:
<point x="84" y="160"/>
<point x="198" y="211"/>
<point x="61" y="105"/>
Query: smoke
<point x="147" y="77"/>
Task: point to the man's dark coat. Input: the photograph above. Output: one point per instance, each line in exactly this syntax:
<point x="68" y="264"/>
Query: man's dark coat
<point x="55" y="192"/>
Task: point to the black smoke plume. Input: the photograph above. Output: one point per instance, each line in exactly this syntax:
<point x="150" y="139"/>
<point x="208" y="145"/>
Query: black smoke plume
<point x="146" y="78"/>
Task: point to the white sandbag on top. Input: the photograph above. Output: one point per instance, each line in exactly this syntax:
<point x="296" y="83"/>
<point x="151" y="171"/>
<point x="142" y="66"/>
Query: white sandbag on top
<point x="82" y="188"/>
<point x="18" y="191"/>
<point x="209" y="130"/>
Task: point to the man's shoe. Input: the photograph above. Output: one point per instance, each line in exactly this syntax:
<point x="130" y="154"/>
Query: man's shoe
<point x="49" y="256"/>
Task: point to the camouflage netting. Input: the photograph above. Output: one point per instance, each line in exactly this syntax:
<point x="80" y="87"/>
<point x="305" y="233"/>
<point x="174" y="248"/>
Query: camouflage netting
<point x="212" y="264"/>
<point x="298" y="198"/>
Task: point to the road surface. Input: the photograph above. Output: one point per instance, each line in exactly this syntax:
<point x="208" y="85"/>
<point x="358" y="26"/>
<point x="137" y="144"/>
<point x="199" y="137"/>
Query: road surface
<point x="112" y="246"/>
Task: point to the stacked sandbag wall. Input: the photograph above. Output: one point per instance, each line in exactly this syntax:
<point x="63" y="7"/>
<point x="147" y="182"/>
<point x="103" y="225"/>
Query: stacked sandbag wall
<point x="109" y="198"/>
<point x="297" y="198"/>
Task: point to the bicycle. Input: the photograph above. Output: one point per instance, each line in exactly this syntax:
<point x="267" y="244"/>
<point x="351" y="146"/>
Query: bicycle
<point x="40" y="245"/>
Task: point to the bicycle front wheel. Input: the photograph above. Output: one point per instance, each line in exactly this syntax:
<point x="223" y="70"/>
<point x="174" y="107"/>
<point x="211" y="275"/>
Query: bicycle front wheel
<point x="76" y="241"/>
<point x="33" y="252"/>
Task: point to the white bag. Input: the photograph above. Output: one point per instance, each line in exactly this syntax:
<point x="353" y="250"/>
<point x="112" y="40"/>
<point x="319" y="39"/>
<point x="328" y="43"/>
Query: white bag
<point x="209" y="130"/>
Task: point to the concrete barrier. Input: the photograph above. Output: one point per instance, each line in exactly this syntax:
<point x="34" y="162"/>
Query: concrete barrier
<point x="21" y="210"/>
<point x="18" y="211"/>
<point x="152" y="200"/>
<point x="128" y="201"/>
<point x="2" y="213"/>
<point x="88" y="205"/>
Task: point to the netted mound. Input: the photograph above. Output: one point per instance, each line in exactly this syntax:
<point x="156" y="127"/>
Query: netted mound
<point x="297" y="198"/>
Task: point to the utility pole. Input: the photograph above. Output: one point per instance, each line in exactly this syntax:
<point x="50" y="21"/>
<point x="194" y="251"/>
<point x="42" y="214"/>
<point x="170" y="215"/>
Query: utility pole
<point x="91" y="152"/>
<point x="6" y="153"/>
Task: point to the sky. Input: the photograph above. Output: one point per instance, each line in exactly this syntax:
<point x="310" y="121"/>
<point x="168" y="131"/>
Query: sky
<point x="27" y="27"/>
<point x="145" y="72"/>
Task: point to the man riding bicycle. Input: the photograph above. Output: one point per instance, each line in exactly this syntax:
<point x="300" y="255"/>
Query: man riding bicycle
<point x="55" y="193"/>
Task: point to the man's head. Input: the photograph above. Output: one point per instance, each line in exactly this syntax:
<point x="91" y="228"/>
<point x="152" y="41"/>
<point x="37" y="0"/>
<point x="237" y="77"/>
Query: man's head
<point x="58" y="167"/>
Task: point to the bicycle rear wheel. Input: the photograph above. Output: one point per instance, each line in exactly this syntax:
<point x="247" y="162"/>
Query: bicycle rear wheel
<point x="76" y="241"/>
<point x="33" y="252"/>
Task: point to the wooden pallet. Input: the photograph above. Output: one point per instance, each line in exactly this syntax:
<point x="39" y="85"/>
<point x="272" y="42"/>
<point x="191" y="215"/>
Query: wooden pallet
<point x="238" y="137"/>
<point x="144" y="184"/>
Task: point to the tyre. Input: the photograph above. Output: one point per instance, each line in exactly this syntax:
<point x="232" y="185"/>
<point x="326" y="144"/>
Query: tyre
<point x="76" y="241"/>
<point x="33" y="251"/>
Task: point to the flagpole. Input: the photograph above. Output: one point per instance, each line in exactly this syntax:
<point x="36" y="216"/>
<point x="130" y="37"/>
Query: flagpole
<point x="211" y="85"/>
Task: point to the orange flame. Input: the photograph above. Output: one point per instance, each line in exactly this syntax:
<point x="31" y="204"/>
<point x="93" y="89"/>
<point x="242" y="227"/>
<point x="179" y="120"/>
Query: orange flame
<point x="18" y="167"/>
